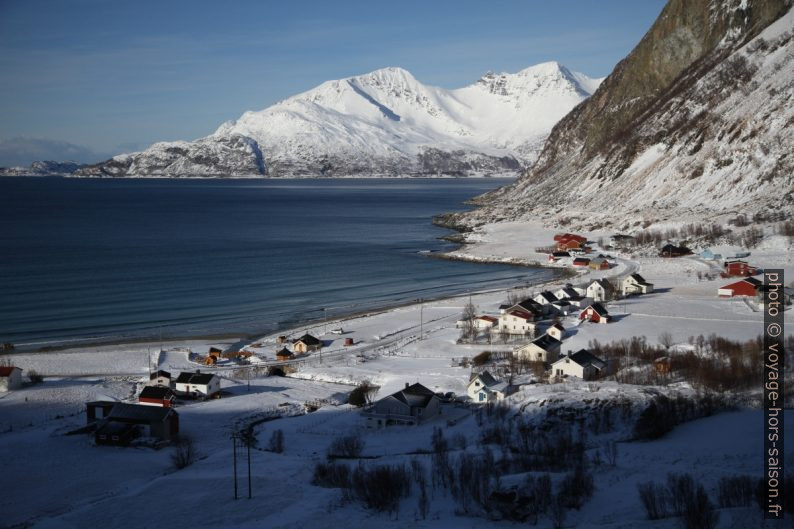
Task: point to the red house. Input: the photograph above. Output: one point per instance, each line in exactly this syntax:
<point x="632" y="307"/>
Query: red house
<point x="595" y="313"/>
<point x="570" y="236"/>
<point x="581" y="261"/>
<point x="157" y="396"/>
<point x="569" y="244"/>
<point x="740" y="269"/>
<point x="745" y="287"/>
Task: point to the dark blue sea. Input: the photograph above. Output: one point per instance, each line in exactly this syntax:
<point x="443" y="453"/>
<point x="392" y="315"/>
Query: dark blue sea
<point x="88" y="259"/>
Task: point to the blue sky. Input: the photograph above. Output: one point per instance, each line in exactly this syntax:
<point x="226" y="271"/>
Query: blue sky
<point x="115" y="76"/>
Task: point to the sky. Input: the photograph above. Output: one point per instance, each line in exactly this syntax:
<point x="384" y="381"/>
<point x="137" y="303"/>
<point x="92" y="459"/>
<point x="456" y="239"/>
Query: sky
<point x="109" y="77"/>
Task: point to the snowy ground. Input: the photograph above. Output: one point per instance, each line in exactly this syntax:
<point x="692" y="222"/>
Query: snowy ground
<point x="114" y="487"/>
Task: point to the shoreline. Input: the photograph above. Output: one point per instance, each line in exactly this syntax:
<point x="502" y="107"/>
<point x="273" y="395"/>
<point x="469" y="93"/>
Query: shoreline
<point x="242" y="339"/>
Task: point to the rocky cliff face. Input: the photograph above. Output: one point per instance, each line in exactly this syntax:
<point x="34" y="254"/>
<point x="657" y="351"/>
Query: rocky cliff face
<point x="697" y="118"/>
<point x="384" y="123"/>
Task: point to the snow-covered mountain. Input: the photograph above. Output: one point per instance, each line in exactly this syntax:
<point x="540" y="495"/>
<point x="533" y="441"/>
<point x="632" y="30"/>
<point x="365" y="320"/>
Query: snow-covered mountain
<point x="382" y="123"/>
<point x="696" y="121"/>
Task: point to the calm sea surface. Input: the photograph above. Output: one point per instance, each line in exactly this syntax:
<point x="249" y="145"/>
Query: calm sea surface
<point x="114" y="259"/>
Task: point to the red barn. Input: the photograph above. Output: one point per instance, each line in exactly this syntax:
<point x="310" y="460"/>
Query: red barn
<point x="595" y="313"/>
<point x="581" y="261"/>
<point x="740" y="269"/>
<point x="745" y="287"/>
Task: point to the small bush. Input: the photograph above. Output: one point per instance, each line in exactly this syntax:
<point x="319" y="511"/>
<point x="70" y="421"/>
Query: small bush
<point x="331" y="475"/>
<point x="482" y="358"/>
<point x="35" y="377"/>
<point x="184" y="453"/>
<point x="276" y="443"/>
<point x="736" y="491"/>
<point x="654" y="500"/>
<point x="381" y="488"/>
<point x="347" y="446"/>
<point x="699" y="512"/>
<point x="361" y="394"/>
<point x="576" y="487"/>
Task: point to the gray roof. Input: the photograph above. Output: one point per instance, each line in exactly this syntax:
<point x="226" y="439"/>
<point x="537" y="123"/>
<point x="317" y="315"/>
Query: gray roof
<point x="156" y="392"/>
<point x="585" y="358"/>
<point x="606" y="285"/>
<point x="486" y="378"/>
<point x="188" y="377"/>
<point x="138" y="413"/>
<point x="639" y="279"/>
<point x="599" y="308"/>
<point x="415" y="395"/>
<point x="569" y="292"/>
<point x="308" y="339"/>
<point x="548" y="296"/>
<point x="530" y="305"/>
<point x="546" y="342"/>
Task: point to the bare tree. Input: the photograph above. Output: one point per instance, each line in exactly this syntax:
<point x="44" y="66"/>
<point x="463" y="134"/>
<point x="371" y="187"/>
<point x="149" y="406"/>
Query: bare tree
<point x="666" y="339"/>
<point x="469" y="331"/>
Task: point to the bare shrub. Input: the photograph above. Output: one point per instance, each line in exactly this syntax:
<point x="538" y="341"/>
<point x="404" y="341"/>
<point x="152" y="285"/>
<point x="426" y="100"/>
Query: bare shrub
<point x="184" y="453"/>
<point x="331" y="475"/>
<point x="576" y="487"/>
<point x="276" y="443"/>
<point x="35" y="377"/>
<point x="735" y="491"/>
<point x="699" y="512"/>
<point x="346" y="446"/>
<point x="654" y="500"/>
<point x="382" y="487"/>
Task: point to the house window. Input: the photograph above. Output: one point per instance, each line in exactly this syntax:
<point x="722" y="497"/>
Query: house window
<point x="482" y="396"/>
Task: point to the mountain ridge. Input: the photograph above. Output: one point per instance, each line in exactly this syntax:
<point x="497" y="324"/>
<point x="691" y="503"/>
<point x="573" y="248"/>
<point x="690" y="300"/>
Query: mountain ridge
<point x="382" y="123"/>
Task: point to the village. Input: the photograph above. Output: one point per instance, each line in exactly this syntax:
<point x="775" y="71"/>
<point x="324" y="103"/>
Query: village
<point x="389" y="376"/>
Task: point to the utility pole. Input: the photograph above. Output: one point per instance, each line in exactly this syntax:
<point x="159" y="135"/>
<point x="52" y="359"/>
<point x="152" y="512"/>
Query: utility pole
<point x="421" y="318"/>
<point x="249" y="469"/>
<point x="234" y="451"/>
<point x="235" y="437"/>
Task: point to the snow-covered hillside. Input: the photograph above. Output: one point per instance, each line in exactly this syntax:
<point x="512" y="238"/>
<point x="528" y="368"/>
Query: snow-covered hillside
<point x="382" y="123"/>
<point x="697" y="119"/>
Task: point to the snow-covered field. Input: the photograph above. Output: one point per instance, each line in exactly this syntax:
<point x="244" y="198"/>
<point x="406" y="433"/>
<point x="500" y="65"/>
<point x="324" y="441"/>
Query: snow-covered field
<point x="88" y="485"/>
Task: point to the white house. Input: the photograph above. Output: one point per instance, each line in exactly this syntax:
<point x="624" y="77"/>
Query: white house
<point x="545" y="348"/>
<point x="483" y="387"/>
<point x="198" y="384"/>
<point x="517" y="322"/>
<point x="635" y="284"/>
<point x="566" y="292"/>
<point x="10" y="378"/>
<point x="556" y="331"/>
<point x="545" y="298"/>
<point x="160" y="378"/>
<point x="481" y="323"/>
<point x="581" y="364"/>
<point x="410" y="406"/>
<point x="600" y="290"/>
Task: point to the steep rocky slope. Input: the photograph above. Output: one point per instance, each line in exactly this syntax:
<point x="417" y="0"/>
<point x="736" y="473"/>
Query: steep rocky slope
<point x="696" y="120"/>
<point x="381" y="123"/>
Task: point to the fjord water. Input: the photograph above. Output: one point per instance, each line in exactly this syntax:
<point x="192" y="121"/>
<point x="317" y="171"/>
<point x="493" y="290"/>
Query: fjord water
<point x="86" y="259"/>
